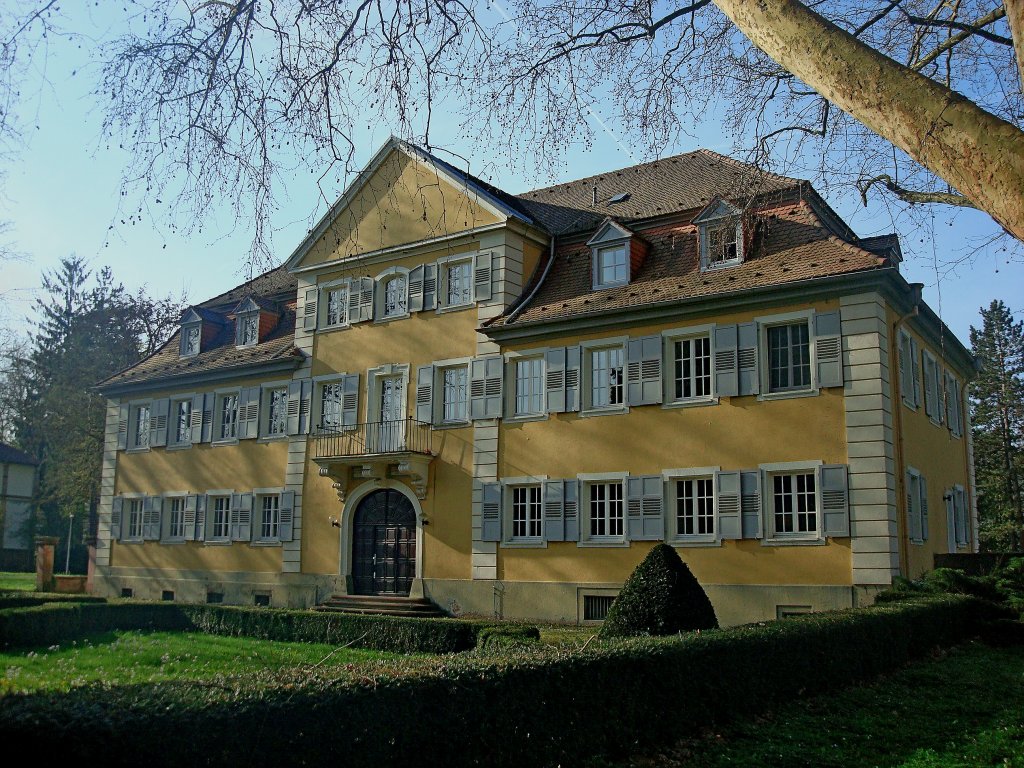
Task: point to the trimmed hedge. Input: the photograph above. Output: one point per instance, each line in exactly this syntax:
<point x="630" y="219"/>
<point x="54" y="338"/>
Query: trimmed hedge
<point x="506" y="636"/>
<point x="63" y="622"/>
<point x="27" y="599"/>
<point x="540" y="708"/>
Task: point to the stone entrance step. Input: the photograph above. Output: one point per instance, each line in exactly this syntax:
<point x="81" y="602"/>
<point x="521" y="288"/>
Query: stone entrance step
<point x="381" y="605"/>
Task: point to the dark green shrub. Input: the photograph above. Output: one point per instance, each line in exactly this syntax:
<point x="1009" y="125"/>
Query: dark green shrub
<point x="507" y="636"/>
<point x="26" y="599"/>
<point x="661" y="597"/>
<point x="954" y="582"/>
<point x="1009" y="581"/>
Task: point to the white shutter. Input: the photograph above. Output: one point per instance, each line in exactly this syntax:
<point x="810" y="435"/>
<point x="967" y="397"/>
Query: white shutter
<point x="202" y="504"/>
<point x="727" y="497"/>
<point x="294" y="406"/>
<point x="425" y="394"/>
<point x="152" y="506"/>
<point x="572" y="379"/>
<point x="486" y="375"/>
<point x="429" y="286"/>
<point x="366" y="286"/>
<point x="750" y="504"/>
<point x="116" y="506"/>
<point x="835" y="502"/>
<point x="490" y="512"/>
<point x="286" y="522"/>
<point x="158" y="422"/>
<point x="747" y="358"/>
<point x="123" y="413"/>
<point x="416" y="289"/>
<point x="189" y="516"/>
<point x="349" y="400"/>
<point x="828" y="349"/>
<point x="309" y="315"/>
<point x="726" y="363"/>
<point x="644" y="505"/>
<point x="248" y="412"/>
<point x="643" y="371"/>
<point x="241" y="516"/>
<point x="554" y="380"/>
<point x="482" y="276"/>
<point x="571" y="510"/>
<point x="305" y="406"/>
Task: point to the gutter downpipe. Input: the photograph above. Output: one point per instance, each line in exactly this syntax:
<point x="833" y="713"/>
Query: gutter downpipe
<point x="529" y="297"/>
<point x="916" y="290"/>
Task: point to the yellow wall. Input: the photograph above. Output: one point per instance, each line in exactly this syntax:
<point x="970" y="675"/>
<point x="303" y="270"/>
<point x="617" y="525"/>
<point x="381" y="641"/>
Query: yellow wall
<point x="936" y="454"/>
<point x="404" y="201"/>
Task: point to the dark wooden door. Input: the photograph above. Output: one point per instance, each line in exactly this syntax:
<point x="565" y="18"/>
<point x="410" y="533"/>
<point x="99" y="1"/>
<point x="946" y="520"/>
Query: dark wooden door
<point x="384" y="544"/>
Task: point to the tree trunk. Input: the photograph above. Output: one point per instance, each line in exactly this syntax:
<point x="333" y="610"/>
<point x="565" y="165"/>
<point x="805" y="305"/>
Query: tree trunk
<point x="1015" y="15"/>
<point x="979" y="154"/>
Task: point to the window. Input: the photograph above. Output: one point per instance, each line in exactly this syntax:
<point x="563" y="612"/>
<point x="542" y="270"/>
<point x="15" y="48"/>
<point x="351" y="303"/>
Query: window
<point x="248" y="332"/>
<point x="135" y="518"/>
<point x="611" y="266"/>
<point x="176" y="515"/>
<point x="270" y="518"/>
<point x="695" y="507"/>
<point x="396" y="296"/>
<point x="526" y="512"/>
<point x="794" y="506"/>
<point x="181" y="422"/>
<point x="227" y="415"/>
<point x="330" y="407"/>
<point x="722" y="244"/>
<point x="691" y="372"/>
<point x="606" y="381"/>
<point x="529" y="393"/>
<point x="454" y="394"/>
<point x="220" y="508"/>
<point x="190" y="340"/>
<point x="140" y="428"/>
<point x="606" y="510"/>
<point x="789" y="357"/>
<point x="277" y="411"/>
<point x="336" y="303"/>
<point x="458" y="283"/>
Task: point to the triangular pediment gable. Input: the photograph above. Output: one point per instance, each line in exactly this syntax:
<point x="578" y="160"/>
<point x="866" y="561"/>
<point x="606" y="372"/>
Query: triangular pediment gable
<point x="191" y="316"/>
<point x="246" y="305"/>
<point x="716" y="209"/>
<point x="403" y="196"/>
<point x="609" y="231"/>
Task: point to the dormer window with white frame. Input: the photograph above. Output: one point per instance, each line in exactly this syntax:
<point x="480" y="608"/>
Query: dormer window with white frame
<point x="247" y="323"/>
<point x="610" y="255"/>
<point x="191" y="338"/>
<point x="720" y="228"/>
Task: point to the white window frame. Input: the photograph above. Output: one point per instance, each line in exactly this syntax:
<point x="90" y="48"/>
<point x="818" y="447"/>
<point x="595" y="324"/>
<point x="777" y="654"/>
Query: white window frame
<point x="266" y="394"/>
<point x="440" y="366"/>
<point x="258" y="495"/>
<point x="317" y="406"/>
<point x="586" y="376"/>
<point x="197" y="326"/>
<point x="218" y="414"/>
<point x="672" y="476"/>
<point x="596" y="252"/>
<point x="324" y="290"/>
<point x="586" y="481"/>
<point x="511" y="360"/>
<point x="373" y="376"/>
<point x="669" y="339"/>
<point x="383" y="280"/>
<point x="126" y="517"/>
<point x="172" y="423"/>
<point x="764" y="358"/>
<point x="768" y="473"/>
<point x="165" y="521"/>
<point x="443" y="265"/>
<point x="134" y="409"/>
<point x="241" y="321"/>
<point x="508" y="486"/>
<point x="706" y="227"/>
<point x="210" y="521"/>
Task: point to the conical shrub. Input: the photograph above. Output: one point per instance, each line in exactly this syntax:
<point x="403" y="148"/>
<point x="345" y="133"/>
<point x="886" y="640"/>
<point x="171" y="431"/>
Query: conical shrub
<point x="661" y="597"/>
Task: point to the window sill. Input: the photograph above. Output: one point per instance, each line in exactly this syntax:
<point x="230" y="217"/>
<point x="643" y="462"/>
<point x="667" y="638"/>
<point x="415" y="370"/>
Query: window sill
<point x="180" y="446"/>
<point x="130" y="541"/>
<point x="225" y="441"/>
<point x="605" y="286"/>
<point x="695" y="542"/>
<point x="453" y="307"/>
<point x="610" y="411"/>
<point x="910" y="406"/>
<point x="816" y="542"/>
<point x="721" y="265"/>
<point x="329" y="328"/>
<point x="620" y="543"/>
<point x="265" y="543"/>
<point x="918" y="542"/>
<point x="138" y="449"/>
<point x="172" y="541"/>
<point x="694" y="403"/>
<point x="218" y="543"/>
<point x="272" y="438"/>
<point x="525" y="544"/>
<point x="789" y="395"/>
<point x="525" y="418"/>
<point x="391" y="318"/>
<point x="451" y="425"/>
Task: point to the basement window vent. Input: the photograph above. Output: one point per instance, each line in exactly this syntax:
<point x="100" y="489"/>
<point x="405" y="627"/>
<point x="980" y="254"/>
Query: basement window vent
<point x="262" y="599"/>
<point x="167" y="596"/>
<point x="127" y="592"/>
<point x="214" y="597"/>
<point x="788" y="611"/>
<point x="619" y="198"/>
<point x="595" y="607"/>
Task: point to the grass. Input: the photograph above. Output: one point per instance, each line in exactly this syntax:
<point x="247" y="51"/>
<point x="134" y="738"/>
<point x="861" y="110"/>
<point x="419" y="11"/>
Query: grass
<point x="119" y="658"/>
<point x="960" y="710"/>
<point x="17" y="582"/>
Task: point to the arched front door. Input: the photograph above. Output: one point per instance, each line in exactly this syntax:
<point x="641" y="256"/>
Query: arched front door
<point x="384" y="544"/>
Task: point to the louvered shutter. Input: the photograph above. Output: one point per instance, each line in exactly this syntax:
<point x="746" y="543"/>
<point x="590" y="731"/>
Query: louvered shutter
<point x="305" y="406"/>
<point x="835" y="500"/>
<point x="158" y="422"/>
<point x="913" y="508"/>
<point x="490" y="512"/>
<point x="554" y="380"/>
<point x="958" y="408"/>
<point x="554" y="510"/>
<point x="152" y="506"/>
<point x="749" y="380"/>
<point x="196" y="418"/>
<point x="189" y="516"/>
<point x="644" y="506"/>
<point x="425" y="394"/>
<point x="572" y="379"/>
<point x="929" y="387"/>
<point x="643" y="371"/>
<point x="116" y="506"/>
<point x="726" y="362"/>
<point x="366" y="286"/>
<point x="294" y="406"/>
<point x="485" y="387"/>
<point x="482" y="276"/>
<point x="286" y="522"/>
<point x="416" y="289"/>
<point x="202" y="504"/>
<point x="123" y="414"/>
<point x="241" y="516"/>
<point x="750" y="504"/>
<point x="571" y="510"/>
<point x="727" y="496"/>
<point x="349" y="401"/>
<point x="309" y="315"/>
<point x="906" y="380"/>
<point x="828" y="348"/>
<point x="924" y="508"/>
<point x="960" y="514"/>
<point x="915" y="369"/>
<point x="948" y="498"/>
<point x="947" y="380"/>
<point x="248" y="412"/>
<point x="429" y="286"/>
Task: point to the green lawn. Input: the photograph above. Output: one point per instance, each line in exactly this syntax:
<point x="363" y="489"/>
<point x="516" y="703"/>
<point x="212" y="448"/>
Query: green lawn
<point x="962" y="710"/>
<point x="134" y="657"/>
<point x="17" y="582"/>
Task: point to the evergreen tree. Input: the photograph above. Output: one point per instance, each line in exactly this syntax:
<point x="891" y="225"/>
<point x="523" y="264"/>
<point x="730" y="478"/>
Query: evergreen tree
<point x="997" y="415"/>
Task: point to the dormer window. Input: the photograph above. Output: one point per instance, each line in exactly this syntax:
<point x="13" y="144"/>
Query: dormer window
<point x="191" y="336"/>
<point x="720" y="228"/>
<point x="254" y="318"/>
<point x="247" y="329"/>
<point x="610" y="249"/>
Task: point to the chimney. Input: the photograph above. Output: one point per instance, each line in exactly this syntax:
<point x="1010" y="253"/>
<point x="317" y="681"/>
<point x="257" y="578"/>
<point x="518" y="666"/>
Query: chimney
<point x="595" y="194"/>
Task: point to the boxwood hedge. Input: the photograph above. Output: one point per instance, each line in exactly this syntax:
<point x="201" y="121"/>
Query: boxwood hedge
<point x="522" y="708"/>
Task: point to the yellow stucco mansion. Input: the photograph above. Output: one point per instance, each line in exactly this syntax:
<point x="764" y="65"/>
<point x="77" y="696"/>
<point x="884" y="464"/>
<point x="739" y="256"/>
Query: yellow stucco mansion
<point x="501" y="402"/>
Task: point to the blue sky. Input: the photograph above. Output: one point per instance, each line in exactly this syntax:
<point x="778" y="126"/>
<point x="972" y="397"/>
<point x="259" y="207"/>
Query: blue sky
<point x="61" y="195"/>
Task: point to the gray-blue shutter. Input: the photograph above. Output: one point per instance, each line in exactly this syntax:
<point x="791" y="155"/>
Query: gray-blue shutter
<point x="429" y="286"/>
<point x="366" y="286"/>
<point x="915" y="368"/>
<point x="116" y="505"/>
<point x="747" y="357"/>
<point x="123" y="414"/>
<point x="189" y="516"/>
<point x="309" y="314"/>
<point x="305" y="406"/>
<point x="241" y="516"/>
<point x="727" y="498"/>
<point x="482" y="276"/>
<point x="152" y="506"/>
<point x="644" y="506"/>
<point x="572" y="379"/>
<point x="924" y="508"/>
<point x="416" y="289"/>
<point x="913" y="510"/>
<point x="200" y="424"/>
<point x="554" y="381"/>
<point x="571" y="506"/>
<point x="726" y="362"/>
<point x="554" y="510"/>
<point x="750" y="504"/>
<point x="286" y="522"/>
<point x="643" y="371"/>
<point x="486" y="375"/>
<point x="828" y="346"/>
<point x="425" y="394"/>
<point x="349" y="400"/>
<point x="294" y="406"/>
<point x="158" y="422"/>
<point x="490" y="512"/>
<point x="248" y="413"/>
<point x="202" y="504"/>
<point x="951" y="521"/>
<point x="960" y="513"/>
<point x="835" y="500"/>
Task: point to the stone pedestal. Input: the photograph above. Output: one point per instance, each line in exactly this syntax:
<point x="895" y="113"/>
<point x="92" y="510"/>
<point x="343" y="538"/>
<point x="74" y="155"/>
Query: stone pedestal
<point x="46" y="546"/>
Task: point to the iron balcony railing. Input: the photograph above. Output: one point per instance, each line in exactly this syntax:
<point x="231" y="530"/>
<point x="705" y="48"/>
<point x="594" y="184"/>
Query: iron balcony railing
<point x="372" y="438"/>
